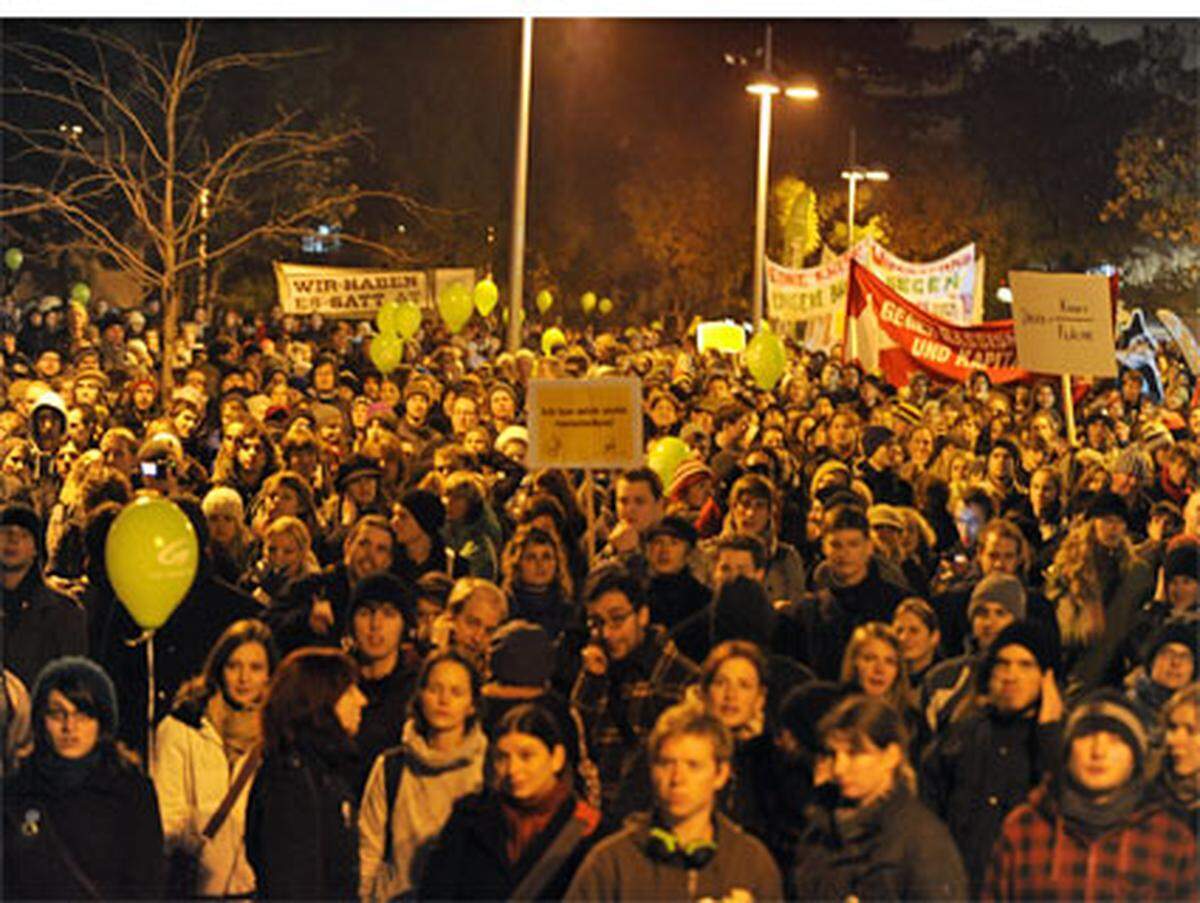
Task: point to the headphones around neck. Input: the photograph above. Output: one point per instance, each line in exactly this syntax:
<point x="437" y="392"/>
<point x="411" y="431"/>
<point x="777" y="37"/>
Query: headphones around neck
<point x="663" y="846"/>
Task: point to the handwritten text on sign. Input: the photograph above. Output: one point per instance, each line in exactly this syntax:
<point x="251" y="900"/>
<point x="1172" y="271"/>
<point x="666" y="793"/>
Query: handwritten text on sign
<point x="342" y="291"/>
<point x="585" y="423"/>
<point x="1063" y="323"/>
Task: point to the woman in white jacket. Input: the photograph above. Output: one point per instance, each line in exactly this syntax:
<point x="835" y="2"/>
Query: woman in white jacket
<point x="212" y="735"/>
<point x="439" y="760"/>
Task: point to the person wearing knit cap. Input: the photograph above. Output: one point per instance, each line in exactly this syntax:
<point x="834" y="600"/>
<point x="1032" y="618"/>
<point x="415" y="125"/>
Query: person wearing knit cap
<point x="1181" y="575"/>
<point x="1168" y="663"/>
<point x="988" y="759"/>
<point x="1093" y="831"/>
<point x="39" y="623"/>
<point x="513" y="443"/>
<point x="997" y="601"/>
<point x="80" y="819"/>
<point x="502" y="405"/>
<point x="690" y="489"/>
<point x="878" y="467"/>
<point x="417" y="521"/>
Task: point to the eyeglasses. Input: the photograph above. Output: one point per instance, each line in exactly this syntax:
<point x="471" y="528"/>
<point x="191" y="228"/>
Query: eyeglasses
<point x="63" y="716"/>
<point x="614" y="621"/>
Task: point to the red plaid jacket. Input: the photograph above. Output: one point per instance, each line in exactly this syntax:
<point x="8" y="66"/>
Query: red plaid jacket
<point x="1038" y="857"/>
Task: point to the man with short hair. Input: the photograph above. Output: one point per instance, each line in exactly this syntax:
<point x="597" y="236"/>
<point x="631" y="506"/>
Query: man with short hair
<point x="1094" y="832"/>
<point x="849" y="590"/>
<point x="683" y="849"/>
<point x="474" y="610"/>
<point x="877" y="468"/>
<point x="39" y="625"/>
<point x="631" y="671"/>
<point x="985" y="763"/>
<point x="639" y="506"/>
<point x="382" y="614"/>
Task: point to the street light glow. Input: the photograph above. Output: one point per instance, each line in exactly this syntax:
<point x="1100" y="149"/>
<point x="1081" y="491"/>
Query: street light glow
<point x="803" y="92"/>
<point x="763" y="86"/>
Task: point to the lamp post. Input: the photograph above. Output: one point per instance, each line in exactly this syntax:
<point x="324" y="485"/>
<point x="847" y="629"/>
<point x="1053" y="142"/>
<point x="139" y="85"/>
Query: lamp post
<point x="516" y="259"/>
<point x="765" y="86"/>
<point x="853" y="176"/>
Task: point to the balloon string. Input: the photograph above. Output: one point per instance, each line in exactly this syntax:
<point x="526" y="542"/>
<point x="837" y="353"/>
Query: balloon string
<point x="149" y="638"/>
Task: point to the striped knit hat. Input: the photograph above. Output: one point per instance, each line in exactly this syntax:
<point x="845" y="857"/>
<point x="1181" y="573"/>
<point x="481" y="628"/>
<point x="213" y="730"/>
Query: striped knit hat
<point x="687" y="473"/>
<point x="1108" y="710"/>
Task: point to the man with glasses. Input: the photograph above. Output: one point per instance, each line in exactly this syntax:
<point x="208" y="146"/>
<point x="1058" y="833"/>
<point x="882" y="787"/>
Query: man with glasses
<point x="632" y="672"/>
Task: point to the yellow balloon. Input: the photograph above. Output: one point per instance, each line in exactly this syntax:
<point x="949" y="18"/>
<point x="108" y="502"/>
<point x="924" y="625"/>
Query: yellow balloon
<point x="151" y="554"/>
<point x="456" y="306"/>
<point x="408" y="319"/>
<point x="545" y="300"/>
<point x="588" y="302"/>
<point x="486" y="295"/>
<point x="605" y="307"/>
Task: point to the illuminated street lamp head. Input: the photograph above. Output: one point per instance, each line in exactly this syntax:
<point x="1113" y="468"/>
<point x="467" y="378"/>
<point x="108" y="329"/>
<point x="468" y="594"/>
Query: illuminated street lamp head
<point x="803" y="89"/>
<point x="861" y="173"/>
<point x="763" y="84"/>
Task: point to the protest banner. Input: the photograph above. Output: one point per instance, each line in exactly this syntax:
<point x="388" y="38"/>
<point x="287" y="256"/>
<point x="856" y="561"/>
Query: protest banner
<point x="891" y="335"/>
<point x="806" y="294"/>
<point x="344" y="291"/>
<point x="585" y="423"/>
<point x="1063" y="323"/>
<point x="944" y="287"/>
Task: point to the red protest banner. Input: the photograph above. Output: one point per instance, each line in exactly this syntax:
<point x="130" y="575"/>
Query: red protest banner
<point x="888" y="334"/>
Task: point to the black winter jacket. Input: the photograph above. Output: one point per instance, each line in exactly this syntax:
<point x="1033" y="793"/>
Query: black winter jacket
<point x="470" y="861"/>
<point x="110" y="825"/>
<point x="302" y="826"/>
<point x="894" y="849"/>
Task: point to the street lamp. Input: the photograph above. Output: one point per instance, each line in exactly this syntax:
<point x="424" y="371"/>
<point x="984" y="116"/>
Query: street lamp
<point x="765" y="86"/>
<point x="853" y="176"/>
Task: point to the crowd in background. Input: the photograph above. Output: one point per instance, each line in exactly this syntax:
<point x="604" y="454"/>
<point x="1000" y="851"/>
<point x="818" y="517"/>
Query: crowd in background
<point x="862" y="641"/>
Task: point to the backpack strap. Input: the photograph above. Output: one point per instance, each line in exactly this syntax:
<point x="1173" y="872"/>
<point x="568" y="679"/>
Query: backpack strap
<point x="551" y="862"/>
<point x="394" y="761"/>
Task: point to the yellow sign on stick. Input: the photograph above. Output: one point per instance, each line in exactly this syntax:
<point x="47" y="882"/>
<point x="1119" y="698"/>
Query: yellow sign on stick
<point x="585" y="423"/>
<point x="1063" y="323"/>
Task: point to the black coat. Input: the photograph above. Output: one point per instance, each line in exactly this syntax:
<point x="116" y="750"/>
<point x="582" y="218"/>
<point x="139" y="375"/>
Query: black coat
<point x="895" y="849"/>
<point x="470" y="861"/>
<point x="302" y="827"/>
<point x="110" y="825"/>
<point x="675" y="597"/>
<point x="39" y="625"/>
<point x="978" y="770"/>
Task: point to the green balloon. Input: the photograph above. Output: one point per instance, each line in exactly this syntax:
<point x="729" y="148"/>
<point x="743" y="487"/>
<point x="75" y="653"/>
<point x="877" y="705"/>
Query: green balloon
<point x="13" y="258"/>
<point x="665" y="456"/>
<point x="151" y="555"/>
<point x="588" y="302"/>
<point x="386" y="351"/>
<point x="552" y="338"/>
<point x="765" y="358"/>
<point x="408" y="319"/>
<point x="81" y="292"/>
<point x="605" y="307"/>
<point x="486" y="295"/>
<point x="545" y="300"/>
<point x="388" y="317"/>
<point x="455" y="306"/>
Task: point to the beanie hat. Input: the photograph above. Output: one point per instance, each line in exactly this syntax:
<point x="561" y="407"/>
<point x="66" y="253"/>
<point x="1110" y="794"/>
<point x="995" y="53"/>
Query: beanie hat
<point x="874" y="437"/>
<point x="674" y="525"/>
<point x="514" y="433"/>
<point x="356" y="467"/>
<point x="907" y="412"/>
<point x="73" y="671"/>
<point x="1155" y="435"/>
<point x="1182" y="560"/>
<point x="1107" y="710"/>
<point x="522" y="654"/>
<point x="1107" y="504"/>
<point x="18" y="514"/>
<point x="1185" y="633"/>
<point x="377" y="588"/>
<point x="1030" y="635"/>
<point x="426" y="509"/>
<point x="804" y="707"/>
<point x="1003" y="589"/>
<point x="688" y="472"/>
<point x="833" y="465"/>
<point x="885" y="516"/>
<point x="327" y="415"/>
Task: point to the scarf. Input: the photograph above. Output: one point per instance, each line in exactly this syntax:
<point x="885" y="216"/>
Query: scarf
<point x="527" y="819"/>
<point x="240" y="728"/>
<point x="61" y="776"/>
<point x="1093" y="816"/>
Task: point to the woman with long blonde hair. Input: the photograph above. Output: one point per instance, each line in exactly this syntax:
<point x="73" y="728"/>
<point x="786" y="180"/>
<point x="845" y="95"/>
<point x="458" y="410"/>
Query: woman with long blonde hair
<point x="1097" y="583"/>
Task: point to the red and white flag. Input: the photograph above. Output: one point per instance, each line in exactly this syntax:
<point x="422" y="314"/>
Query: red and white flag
<point x="889" y="335"/>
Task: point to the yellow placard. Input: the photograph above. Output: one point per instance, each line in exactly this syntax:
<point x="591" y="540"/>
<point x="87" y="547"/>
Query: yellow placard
<point x="585" y="423"/>
<point x="723" y="335"/>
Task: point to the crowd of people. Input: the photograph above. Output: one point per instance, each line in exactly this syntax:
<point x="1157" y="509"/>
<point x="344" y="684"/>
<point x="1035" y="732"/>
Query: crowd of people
<point x="862" y="642"/>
